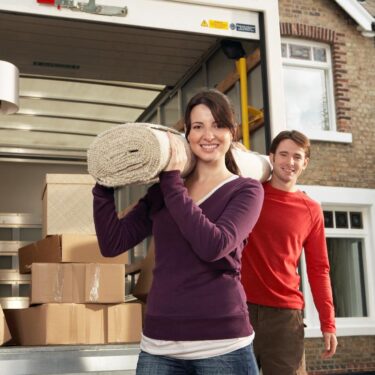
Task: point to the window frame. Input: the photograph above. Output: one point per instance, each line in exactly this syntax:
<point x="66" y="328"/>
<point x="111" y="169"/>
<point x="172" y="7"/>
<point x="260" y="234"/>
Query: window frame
<point x="348" y="199"/>
<point x="331" y="134"/>
<point x="362" y="234"/>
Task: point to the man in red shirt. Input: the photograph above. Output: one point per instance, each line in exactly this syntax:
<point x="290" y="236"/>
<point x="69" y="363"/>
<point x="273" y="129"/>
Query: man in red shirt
<point x="289" y="222"/>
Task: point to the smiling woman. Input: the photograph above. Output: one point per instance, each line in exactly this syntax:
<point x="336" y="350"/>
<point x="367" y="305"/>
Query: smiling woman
<point x="210" y="127"/>
<point x="199" y="225"/>
<point x="207" y="139"/>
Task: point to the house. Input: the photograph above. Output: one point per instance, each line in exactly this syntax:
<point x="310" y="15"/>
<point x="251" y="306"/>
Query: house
<point x="328" y="50"/>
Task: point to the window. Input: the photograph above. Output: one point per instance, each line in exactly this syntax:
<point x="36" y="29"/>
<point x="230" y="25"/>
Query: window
<point x="349" y="220"/>
<point x="308" y="86"/>
<point x="346" y="256"/>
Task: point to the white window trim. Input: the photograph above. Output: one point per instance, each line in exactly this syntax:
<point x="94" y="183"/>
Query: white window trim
<point x="331" y="135"/>
<point x="342" y="197"/>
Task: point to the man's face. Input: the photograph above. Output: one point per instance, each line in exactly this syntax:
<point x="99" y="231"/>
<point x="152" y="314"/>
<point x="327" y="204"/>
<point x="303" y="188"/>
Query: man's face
<point x="288" y="162"/>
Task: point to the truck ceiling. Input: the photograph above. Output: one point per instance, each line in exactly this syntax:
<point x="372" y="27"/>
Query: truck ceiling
<point x="82" y="73"/>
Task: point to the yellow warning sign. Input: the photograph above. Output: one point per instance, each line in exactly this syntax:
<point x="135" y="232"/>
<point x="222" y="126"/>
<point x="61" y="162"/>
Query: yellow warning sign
<point x="214" y="24"/>
<point x="204" y="23"/>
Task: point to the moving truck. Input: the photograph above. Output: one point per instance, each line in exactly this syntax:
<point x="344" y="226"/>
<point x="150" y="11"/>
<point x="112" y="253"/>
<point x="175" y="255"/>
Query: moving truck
<point x="85" y="67"/>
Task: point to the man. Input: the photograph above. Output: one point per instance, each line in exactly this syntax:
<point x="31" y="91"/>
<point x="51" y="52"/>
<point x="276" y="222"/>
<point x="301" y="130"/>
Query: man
<point x="289" y="222"/>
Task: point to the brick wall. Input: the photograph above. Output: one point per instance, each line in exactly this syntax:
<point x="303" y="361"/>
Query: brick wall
<point x="335" y="164"/>
<point x="354" y="354"/>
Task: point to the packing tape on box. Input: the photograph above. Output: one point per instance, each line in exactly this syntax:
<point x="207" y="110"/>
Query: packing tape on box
<point x="94" y="287"/>
<point x="75" y="322"/>
<point x="58" y="284"/>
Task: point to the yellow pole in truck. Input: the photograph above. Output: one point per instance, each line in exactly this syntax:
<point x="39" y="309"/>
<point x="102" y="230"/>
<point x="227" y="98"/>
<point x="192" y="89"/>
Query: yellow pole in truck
<point x="242" y="71"/>
<point x="233" y="50"/>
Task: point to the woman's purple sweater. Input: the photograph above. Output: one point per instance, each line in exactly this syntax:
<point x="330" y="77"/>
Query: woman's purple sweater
<point x="196" y="292"/>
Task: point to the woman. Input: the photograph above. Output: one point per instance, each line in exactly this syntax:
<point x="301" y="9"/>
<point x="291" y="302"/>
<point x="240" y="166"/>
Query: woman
<point x="196" y="320"/>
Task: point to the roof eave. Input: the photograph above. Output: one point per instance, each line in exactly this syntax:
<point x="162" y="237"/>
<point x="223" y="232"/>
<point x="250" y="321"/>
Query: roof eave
<point x="364" y="19"/>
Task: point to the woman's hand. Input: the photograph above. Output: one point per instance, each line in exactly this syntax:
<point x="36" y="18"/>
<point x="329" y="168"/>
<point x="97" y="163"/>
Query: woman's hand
<point x="178" y="158"/>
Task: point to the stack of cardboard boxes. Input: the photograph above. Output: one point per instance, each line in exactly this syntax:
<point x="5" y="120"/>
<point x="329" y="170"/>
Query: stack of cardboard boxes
<point x="77" y="295"/>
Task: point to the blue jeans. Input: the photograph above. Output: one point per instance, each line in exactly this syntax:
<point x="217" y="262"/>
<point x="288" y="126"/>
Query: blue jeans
<point x="239" y="362"/>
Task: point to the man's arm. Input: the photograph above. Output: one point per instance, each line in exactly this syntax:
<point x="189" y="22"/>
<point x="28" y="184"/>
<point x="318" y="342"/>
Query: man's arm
<point x="317" y="265"/>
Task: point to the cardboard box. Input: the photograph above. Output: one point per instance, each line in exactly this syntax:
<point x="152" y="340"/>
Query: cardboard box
<point x="57" y="324"/>
<point x="68" y="204"/>
<point x="65" y="248"/>
<point x="77" y="283"/>
<point x="66" y="323"/>
<point x="124" y="323"/>
<point x="4" y="330"/>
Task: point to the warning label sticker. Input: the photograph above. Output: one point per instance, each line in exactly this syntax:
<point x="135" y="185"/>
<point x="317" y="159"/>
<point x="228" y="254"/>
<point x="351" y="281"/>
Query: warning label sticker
<point x="214" y="24"/>
<point x="223" y="25"/>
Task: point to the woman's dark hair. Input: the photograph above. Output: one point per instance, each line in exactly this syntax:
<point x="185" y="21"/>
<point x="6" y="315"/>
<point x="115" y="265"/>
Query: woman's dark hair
<point x="294" y="135"/>
<point x="223" y="113"/>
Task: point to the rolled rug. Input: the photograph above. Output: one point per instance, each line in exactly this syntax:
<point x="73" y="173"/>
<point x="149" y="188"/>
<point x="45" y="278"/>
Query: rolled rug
<point x="133" y="153"/>
<point x="251" y="164"/>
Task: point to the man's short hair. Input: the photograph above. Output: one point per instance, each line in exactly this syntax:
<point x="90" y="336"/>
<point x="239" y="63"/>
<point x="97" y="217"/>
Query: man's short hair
<point x="295" y="136"/>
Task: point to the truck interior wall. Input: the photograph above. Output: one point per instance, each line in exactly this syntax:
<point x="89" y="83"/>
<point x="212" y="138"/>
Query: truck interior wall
<point x="170" y="112"/>
<point x="258" y="141"/>
<point x="255" y="99"/>
<point x="213" y="71"/>
<point x="22" y="185"/>
<point x="254" y="92"/>
<point x="218" y="67"/>
<point x="154" y="119"/>
<point x="198" y="80"/>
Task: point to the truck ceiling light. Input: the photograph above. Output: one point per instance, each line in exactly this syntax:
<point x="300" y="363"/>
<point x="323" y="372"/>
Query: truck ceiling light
<point x="9" y="83"/>
<point x="232" y="49"/>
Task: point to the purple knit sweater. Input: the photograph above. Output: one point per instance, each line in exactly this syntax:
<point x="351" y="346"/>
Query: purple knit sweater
<point x="196" y="292"/>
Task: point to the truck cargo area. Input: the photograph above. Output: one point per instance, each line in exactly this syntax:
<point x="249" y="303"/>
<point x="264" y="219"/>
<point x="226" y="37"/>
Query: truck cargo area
<point x="82" y="73"/>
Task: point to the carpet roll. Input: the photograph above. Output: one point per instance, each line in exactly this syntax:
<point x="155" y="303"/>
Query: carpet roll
<point x="135" y="153"/>
<point x="251" y="164"/>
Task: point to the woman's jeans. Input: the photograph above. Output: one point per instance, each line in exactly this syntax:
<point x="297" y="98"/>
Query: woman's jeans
<point x="239" y="362"/>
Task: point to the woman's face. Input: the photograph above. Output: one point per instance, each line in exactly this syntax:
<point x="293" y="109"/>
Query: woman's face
<point x="207" y="140"/>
